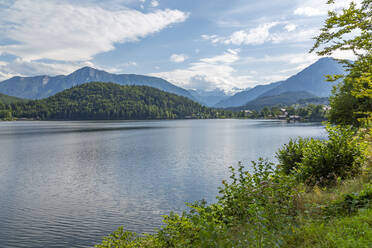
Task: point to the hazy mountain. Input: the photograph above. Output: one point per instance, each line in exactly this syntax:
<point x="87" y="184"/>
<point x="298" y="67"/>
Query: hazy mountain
<point x="209" y="98"/>
<point x="285" y="98"/>
<point x="245" y="96"/>
<point x="311" y="79"/>
<point x="43" y="86"/>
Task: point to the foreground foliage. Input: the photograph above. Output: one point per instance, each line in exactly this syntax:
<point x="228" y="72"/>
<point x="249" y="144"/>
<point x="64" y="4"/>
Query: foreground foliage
<point x="323" y="162"/>
<point x="343" y="232"/>
<point x="273" y="207"/>
<point x="350" y="30"/>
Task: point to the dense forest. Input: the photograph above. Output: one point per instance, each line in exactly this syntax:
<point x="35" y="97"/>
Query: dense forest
<point x="104" y="101"/>
<point x="5" y="99"/>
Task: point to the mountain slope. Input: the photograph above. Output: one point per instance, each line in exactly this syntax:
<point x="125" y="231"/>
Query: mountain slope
<point x="245" y="96"/>
<point x="311" y="79"/>
<point x="105" y="101"/>
<point x="44" y="86"/>
<point x="285" y="98"/>
<point x="5" y="99"/>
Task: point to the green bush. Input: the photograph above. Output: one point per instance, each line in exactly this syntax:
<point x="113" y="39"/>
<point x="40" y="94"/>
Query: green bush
<point x="341" y="156"/>
<point x="263" y="202"/>
<point x="323" y="162"/>
<point x="291" y="154"/>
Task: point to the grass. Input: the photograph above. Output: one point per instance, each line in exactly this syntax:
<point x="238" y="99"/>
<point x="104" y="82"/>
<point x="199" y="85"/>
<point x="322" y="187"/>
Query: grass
<point x="311" y="203"/>
<point x="344" y="232"/>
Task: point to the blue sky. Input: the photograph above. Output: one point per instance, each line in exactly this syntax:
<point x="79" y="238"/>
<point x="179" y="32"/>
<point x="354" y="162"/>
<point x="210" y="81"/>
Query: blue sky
<point x="195" y="44"/>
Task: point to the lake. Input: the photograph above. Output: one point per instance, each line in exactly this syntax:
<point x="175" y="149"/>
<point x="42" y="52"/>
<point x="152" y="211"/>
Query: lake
<point x="68" y="184"/>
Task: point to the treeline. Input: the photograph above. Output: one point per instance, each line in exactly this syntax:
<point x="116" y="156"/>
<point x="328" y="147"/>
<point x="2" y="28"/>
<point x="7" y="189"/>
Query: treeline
<point x="309" y="112"/>
<point x="109" y="101"/>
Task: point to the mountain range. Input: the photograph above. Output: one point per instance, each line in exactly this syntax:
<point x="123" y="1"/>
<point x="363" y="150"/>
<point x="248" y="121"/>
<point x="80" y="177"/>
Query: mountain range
<point x="311" y="79"/>
<point x="39" y="87"/>
<point x="286" y="99"/>
<point x="209" y="98"/>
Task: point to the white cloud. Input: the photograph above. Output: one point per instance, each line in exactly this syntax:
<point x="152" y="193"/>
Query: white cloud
<point x="261" y="34"/>
<point x="274" y="78"/>
<point x="210" y="73"/>
<point x="178" y="58"/>
<point x="228" y="57"/>
<point x="319" y="8"/>
<point x="310" y="11"/>
<point x="344" y="54"/>
<point x="255" y="36"/>
<point x="213" y="38"/>
<point x="291" y="58"/>
<point x="58" y="30"/>
<point x="19" y="67"/>
<point x="301" y="35"/>
<point x="154" y="3"/>
<point x="290" y="27"/>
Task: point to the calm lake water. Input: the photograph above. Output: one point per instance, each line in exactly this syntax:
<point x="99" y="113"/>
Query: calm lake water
<point x="67" y="184"/>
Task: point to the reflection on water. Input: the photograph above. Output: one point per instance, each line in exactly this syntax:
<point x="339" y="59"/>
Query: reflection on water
<point x="67" y="184"/>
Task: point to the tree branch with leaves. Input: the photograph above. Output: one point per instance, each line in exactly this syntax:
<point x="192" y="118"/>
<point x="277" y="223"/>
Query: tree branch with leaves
<point x="350" y="29"/>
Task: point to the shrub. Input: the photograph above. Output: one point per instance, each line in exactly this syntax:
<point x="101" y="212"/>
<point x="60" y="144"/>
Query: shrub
<point x="263" y="202"/>
<point x="325" y="161"/>
<point x="291" y="155"/>
<point x="322" y="162"/>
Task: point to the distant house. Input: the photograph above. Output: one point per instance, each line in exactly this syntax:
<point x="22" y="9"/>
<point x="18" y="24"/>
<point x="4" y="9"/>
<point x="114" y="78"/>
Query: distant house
<point x="326" y="108"/>
<point x="294" y="117"/>
<point x="283" y="115"/>
<point x="247" y="112"/>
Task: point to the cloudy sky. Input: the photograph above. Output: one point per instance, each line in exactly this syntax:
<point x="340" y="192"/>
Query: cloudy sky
<point x="196" y="44"/>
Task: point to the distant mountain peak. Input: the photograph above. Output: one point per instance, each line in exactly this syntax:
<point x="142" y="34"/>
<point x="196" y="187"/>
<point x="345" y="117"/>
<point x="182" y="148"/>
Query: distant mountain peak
<point x="44" y="86"/>
<point x="86" y="70"/>
<point x="311" y="79"/>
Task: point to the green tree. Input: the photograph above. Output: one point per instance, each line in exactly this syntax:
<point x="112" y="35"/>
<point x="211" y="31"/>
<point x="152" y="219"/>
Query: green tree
<point x="351" y="101"/>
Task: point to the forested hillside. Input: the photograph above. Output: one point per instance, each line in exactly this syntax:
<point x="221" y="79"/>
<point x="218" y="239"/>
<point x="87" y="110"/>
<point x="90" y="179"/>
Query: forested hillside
<point x="105" y="101"/>
<point x="39" y="87"/>
<point x="5" y="99"/>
